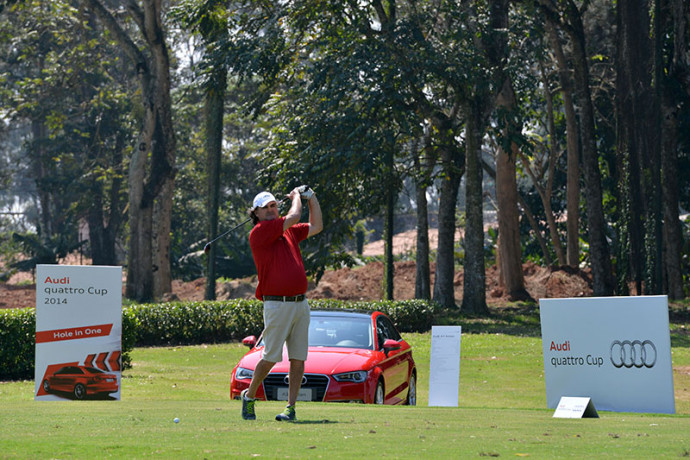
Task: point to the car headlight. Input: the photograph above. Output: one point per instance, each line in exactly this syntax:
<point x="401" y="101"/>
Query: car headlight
<point x="356" y="376"/>
<point x="244" y="374"/>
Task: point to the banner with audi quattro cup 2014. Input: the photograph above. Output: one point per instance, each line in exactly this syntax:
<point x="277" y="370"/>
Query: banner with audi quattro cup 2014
<point x="78" y="332"/>
<point x="614" y="350"/>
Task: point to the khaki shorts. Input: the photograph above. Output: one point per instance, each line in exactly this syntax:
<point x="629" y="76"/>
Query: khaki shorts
<point x="285" y="323"/>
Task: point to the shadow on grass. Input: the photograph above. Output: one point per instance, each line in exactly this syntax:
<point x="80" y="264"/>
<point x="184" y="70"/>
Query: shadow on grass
<point x="313" y="422"/>
<point x="520" y="319"/>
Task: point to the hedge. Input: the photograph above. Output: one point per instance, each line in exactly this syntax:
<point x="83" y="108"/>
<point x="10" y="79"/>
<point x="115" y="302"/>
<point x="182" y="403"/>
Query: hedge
<point x="187" y="323"/>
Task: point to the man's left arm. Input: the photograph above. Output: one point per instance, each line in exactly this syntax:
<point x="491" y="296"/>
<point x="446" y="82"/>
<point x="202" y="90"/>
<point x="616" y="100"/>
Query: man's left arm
<point x="315" y="219"/>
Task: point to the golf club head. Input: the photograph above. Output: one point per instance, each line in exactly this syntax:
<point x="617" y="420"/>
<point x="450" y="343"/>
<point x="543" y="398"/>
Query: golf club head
<point x="207" y="248"/>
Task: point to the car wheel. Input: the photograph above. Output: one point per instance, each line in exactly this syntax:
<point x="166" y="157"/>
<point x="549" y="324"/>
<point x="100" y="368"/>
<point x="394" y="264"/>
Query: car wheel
<point x="46" y="385"/>
<point x="79" y="391"/>
<point x="412" y="391"/>
<point x="380" y="395"/>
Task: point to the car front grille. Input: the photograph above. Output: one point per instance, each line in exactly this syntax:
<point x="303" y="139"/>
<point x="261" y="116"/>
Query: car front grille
<point x="317" y="382"/>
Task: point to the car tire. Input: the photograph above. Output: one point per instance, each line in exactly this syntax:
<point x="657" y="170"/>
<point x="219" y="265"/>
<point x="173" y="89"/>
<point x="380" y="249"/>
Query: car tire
<point x="46" y="386"/>
<point x="412" y="391"/>
<point x="79" y="391"/>
<point x="380" y="395"/>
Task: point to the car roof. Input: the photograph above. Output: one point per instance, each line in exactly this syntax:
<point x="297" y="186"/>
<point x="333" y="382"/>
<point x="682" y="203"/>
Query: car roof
<point x="347" y="313"/>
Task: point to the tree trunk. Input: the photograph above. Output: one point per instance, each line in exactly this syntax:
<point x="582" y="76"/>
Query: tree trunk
<point x="509" y="251"/>
<point x="474" y="287"/>
<point x="639" y="143"/>
<point x="215" y="109"/>
<point x="422" y="287"/>
<point x="388" y="245"/>
<point x="573" y="149"/>
<point x="444" y="289"/>
<point x="676" y="18"/>
<point x="150" y="181"/>
<point x="600" y="258"/>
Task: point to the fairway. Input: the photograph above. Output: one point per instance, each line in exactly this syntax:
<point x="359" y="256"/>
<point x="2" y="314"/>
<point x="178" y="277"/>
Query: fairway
<point x="502" y="412"/>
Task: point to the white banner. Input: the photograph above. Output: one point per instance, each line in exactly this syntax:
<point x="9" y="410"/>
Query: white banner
<point x="444" y="364"/>
<point x="78" y="332"/>
<point x="614" y="350"/>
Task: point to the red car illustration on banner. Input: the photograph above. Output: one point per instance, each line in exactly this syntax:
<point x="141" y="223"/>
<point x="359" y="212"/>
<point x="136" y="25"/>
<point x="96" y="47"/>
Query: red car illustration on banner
<point x="80" y="381"/>
<point x="353" y="356"/>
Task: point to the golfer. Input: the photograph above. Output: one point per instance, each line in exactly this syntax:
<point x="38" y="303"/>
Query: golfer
<point x="282" y="286"/>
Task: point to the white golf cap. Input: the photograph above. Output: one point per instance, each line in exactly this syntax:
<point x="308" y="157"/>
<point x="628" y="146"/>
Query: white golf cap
<point x="262" y="199"/>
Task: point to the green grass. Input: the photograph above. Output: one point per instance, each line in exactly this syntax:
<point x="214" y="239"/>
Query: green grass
<point x="502" y="412"/>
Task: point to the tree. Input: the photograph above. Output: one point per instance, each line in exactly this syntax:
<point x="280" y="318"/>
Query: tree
<point x="78" y="113"/>
<point x="509" y="251"/>
<point x="209" y="20"/>
<point x="569" y="19"/>
<point x="573" y="148"/>
<point x="152" y="164"/>
<point x="675" y="87"/>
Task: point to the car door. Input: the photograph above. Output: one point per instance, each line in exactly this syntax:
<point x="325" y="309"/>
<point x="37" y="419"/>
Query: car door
<point x="395" y="366"/>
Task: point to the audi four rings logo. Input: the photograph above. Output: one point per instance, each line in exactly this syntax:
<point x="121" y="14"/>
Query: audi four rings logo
<point x="287" y="380"/>
<point x="633" y="353"/>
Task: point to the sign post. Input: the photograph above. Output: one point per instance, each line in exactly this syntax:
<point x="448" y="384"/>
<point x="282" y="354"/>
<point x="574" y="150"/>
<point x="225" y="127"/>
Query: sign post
<point x="78" y="332"/>
<point x="614" y="350"/>
<point x="444" y="372"/>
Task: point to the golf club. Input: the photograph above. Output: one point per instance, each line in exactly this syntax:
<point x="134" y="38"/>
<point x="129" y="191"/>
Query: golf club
<point x="305" y="192"/>
<point x="207" y="246"/>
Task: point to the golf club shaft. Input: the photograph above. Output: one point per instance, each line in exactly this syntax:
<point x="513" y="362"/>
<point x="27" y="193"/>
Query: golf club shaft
<point x="207" y="247"/>
<point x="228" y="231"/>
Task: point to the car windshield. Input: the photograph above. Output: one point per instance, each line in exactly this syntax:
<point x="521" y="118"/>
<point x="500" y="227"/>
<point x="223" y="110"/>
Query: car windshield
<point x="346" y="332"/>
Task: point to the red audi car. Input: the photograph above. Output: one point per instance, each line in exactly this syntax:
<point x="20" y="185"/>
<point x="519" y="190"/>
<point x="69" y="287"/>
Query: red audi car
<point x="353" y="356"/>
<point x="80" y="381"/>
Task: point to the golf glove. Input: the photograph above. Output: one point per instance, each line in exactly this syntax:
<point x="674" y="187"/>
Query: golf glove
<point x="305" y="192"/>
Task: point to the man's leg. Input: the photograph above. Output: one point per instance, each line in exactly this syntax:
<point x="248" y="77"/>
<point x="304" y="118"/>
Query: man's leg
<point x="263" y="367"/>
<point x="296" y="374"/>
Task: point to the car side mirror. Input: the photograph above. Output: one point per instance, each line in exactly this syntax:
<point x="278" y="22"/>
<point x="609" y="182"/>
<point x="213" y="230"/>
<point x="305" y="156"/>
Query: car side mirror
<point x="249" y="341"/>
<point x="390" y="345"/>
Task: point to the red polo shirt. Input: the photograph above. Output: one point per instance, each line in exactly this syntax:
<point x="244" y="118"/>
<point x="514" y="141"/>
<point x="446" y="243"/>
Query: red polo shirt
<point x="278" y="259"/>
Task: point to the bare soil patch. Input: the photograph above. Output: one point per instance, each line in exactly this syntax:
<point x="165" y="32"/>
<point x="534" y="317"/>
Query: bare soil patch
<point x="358" y="283"/>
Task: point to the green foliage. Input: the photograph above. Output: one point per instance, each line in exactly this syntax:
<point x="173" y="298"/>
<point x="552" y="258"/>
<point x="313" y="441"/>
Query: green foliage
<point x="178" y="323"/>
<point x="17" y="343"/>
<point x="40" y="252"/>
<point x="187" y="323"/>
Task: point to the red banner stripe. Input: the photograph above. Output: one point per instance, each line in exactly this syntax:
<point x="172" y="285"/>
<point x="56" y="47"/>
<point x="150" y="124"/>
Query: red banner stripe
<point x="73" y="333"/>
<point x="100" y="361"/>
<point x="114" y="361"/>
<point x="89" y="360"/>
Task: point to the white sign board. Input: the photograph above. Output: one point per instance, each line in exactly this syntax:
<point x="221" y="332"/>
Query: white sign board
<point x="78" y="332"/>
<point x="444" y="372"/>
<point x="573" y="407"/>
<point x="614" y="350"/>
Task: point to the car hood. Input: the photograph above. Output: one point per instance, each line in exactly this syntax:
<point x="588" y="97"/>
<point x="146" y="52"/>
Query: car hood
<point x="322" y="360"/>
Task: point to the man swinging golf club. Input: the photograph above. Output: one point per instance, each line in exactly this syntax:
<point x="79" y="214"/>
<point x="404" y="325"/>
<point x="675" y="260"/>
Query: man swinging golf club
<point x="282" y="286"/>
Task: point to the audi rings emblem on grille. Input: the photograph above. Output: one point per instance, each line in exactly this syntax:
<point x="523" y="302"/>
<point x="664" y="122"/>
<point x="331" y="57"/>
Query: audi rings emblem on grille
<point x="633" y="353"/>
<point x="286" y="380"/>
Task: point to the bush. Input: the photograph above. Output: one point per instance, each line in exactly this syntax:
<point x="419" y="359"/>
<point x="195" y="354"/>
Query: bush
<point x="17" y="343"/>
<point x="187" y="323"/>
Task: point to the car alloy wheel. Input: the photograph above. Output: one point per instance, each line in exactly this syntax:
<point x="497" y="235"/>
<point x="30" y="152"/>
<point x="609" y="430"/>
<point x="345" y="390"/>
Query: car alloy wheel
<point x="79" y="391"/>
<point x="379" y="396"/>
<point x="46" y="385"/>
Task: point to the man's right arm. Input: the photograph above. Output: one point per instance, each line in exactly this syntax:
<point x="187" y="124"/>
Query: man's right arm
<point x="295" y="212"/>
<point x="315" y="218"/>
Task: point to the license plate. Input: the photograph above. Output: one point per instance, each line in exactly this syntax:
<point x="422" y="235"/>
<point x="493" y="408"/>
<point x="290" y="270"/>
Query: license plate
<point x="304" y="394"/>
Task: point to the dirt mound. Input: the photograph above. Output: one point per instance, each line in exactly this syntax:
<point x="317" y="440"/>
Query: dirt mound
<point x="366" y="283"/>
<point x="360" y="283"/>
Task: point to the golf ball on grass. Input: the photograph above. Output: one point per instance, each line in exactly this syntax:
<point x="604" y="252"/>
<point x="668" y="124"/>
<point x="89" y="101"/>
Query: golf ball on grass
<point x="176" y="420"/>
